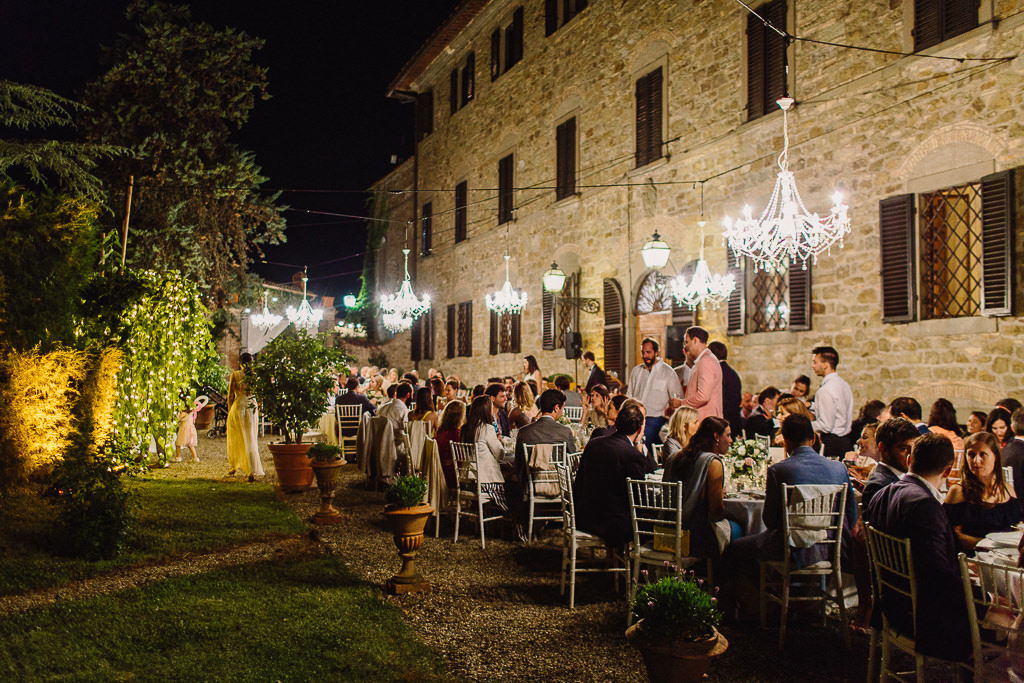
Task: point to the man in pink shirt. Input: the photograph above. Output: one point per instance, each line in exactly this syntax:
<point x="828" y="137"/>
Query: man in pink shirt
<point x="704" y="388"/>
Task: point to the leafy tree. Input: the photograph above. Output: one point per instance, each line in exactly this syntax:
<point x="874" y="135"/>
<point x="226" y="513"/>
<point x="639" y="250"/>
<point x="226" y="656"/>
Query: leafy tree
<point x="174" y="92"/>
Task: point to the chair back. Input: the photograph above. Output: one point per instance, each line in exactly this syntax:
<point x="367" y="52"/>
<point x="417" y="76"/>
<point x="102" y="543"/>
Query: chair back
<point x="418" y="431"/>
<point x="997" y="591"/>
<point x="813" y="514"/>
<point x="383" y="450"/>
<point x="763" y="439"/>
<point x="349" y="413"/>
<point x="573" y="461"/>
<point x="342" y="391"/>
<point x="464" y="455"/>
<point x="1008" y="475"/>
<point x="573" y="413"/>
<point x="542" y="458"/>
<point x="565" y="475"/>
<point x="656" y="512"/>
<point x="892" y="567"/>
<point x="658" y="448"/>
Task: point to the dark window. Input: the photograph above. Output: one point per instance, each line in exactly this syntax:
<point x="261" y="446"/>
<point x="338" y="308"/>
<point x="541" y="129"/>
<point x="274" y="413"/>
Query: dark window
<point x="514" y="40"/>
<point x="465" y="328"/>
<point x="648" y="118"/>
<point x="939" y="20"/>
<point x="558" y="13"/>
<point x="559" y="314"/>
<point x="565" y="159"/>
<point x="766" y="59"/>
<point x="495" y="53"/>
<point x="426" y="229"/>
<point x="614" y="336"/>
<point x="424" y="114"/>
<point x="453" y="91"/>
<point x="423" y="337"/>
<point x="469" y="79"/>
<point x="547" y="320"/>
<point x="506" y="201"/>
<point x="461" y="191"/>
<point x="504" y="337"/>
<point x="451" y="327"/>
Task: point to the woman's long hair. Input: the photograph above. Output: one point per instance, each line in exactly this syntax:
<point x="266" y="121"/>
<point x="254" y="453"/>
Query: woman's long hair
<point x="677" y="425"/>
<point x="974" y="490"/>
<point x="523" y="396"/>
<point x="452" y="416"/>
<point x="943" y="414"/>
<point x="531" y="365"/>
<point x="794" y="406"/>
<point x="479" y="413"/>
<point x="996" y="415"/>
<point x="703" y="440"/>
<point x="424" y="401"/>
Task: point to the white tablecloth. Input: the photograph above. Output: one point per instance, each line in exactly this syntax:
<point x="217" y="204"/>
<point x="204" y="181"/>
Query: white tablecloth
<point x="746" y="511"/>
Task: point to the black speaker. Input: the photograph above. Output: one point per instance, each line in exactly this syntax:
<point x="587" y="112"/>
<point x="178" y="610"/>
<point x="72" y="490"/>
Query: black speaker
<point x="573" y="345"/>
<point x="674" y="339"/>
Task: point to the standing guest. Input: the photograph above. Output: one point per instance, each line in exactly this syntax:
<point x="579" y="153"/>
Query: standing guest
<point x="801" y="388"/>
<point x="908" y="407"/>
<point x="602" y="501"/>
<point x="942" y="420"/>
<point x="976" y="421"/>
<point x="998" y="423"/>
<point x="894" y="440"/>
<point x="187" y="437"/>
<point x="761" y="420"/>
<point x="572" y="398"/>
<point x="833" y="404"/>
<point x="532" y="371"/>
<point x="703" y="390"/>
<point x="509" y="383"/>
<point x="496" y="392"/>
<point x="452" y="418"/>
<point x="681" y="427"/>
<point x="595" y="407"/>
<point x="655" y="385"/>
<point x="732" y="388"/>
<point x="425" y="410"/>
<point x="615" y="404"/>
<point x="595" y="375"/>
<point x="868" y="414"/>
<point x="983" y="502"/>
<point x="746" y="405"/>
<point x="1013" y="452"/>
<point x="911" y="508"/>
<point x="242" y="423"/>
<point x="526" y="410"/>
<point x="397" y="411"/>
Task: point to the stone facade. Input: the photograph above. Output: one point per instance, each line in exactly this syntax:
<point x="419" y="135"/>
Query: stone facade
<point x="870" y="124"/>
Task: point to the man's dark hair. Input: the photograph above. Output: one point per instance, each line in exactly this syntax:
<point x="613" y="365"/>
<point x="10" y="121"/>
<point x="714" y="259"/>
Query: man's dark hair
<point x="392" y="388"/>
<point x="653" y="342"/>
<point x="411" y="378"/>
<point x="931" y="455"/>
<point x="797" y="430"/>
<point x="352" y="383"/>
<point x="720" y="350"/>
<point x="767" y="394"/>
<point x="618" y="400"/>
<point x="508" y="377"/>
<point x="478" y="390"/>
<point x="697" y="332"/>
<point x="494" y="380"/>
<point x="404" y="390"/>
<point x="1017" y="421"/>
<point x="453" y="383"/>
<point x="907" y="406"/>
<point x="245" y="358"/>
<point x="1011" y="405"/>
<point x="630" y="420"/>
<point x="562" y="383"/>
<point x="494" y="388"/>
<point x="588" y="355"/>
<point x="895" y="430"/>
<point x="828" y="354"/>
<point x="551" y="399"/>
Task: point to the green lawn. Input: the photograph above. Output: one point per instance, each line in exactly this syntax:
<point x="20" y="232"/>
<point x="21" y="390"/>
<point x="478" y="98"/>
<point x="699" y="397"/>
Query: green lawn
<point x="291" y="620"/>
<point x="174" y="517"/>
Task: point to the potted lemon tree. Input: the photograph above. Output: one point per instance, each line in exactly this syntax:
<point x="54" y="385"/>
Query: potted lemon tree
<point x="407" y="515"/>
<point x="290" y="380"/>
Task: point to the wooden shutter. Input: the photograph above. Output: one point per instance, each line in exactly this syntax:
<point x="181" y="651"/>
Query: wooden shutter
<point x="426" y="229"/>
<point x="451" y="329"/>
<point x="505" y="192"/>
<point x="516" y="50"/>
<point x="898" y="259"/>
<point x="416" y="339"/>
<point x="737" y="307"/>
<point x="495" y="54"/>
<point x="755" y="67"/>
<point x="614" y="326"/>
<point x="550" y="16"/>
<point x="580" y="5"/>
<point x="997" y="236"/>
<point x="927" y="26"/>
<point x="959" y="16"/>
<point x="469" y="79"/>
<point x="428" y="334"/>
<point x="466" y="328"/>
<point x="461" y="192"/>
<point x="495" y="333"/>
<point x="774" y="55"/>
<point x="424" y="114"/>
<point x="517" y="320"/>
<point x="547" y="321"/>
<point x="453" y="91"/>
<point x="648" y="118"/>
<point x="799" y="295"/>
<point x="565" y="163"/>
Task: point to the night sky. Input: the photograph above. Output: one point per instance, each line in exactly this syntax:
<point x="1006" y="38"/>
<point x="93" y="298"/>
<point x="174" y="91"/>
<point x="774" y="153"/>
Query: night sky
<point x="327" y="125"/>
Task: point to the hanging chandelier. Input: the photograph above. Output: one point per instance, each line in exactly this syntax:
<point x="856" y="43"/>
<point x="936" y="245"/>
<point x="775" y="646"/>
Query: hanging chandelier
<point x="305" y="315"/>
<point x="265" y="319"/>
<point x="703" y="288"/>
<point x="655" y="252"/>
<point x="506" y="299"/>
<point x="398" y="311"/>
<point x="786" y="228"/>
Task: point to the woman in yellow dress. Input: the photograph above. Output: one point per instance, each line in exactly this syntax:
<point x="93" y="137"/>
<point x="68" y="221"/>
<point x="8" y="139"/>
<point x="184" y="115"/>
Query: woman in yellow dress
<point x="243" y="448"/>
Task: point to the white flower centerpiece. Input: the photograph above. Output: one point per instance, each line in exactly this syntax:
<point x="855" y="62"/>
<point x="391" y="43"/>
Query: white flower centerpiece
<point x="746" y="465"/>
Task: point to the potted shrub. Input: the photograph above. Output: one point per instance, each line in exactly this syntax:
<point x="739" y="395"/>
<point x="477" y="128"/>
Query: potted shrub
<point x="407" y="515"/>
<point x="675" y="631"/>
<point x="290" y="380"/>
<point x="325" y="460"/>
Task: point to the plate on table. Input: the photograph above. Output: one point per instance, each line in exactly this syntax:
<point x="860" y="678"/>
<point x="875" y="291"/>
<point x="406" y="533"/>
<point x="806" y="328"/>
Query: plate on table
<point x="752" y="493"/>
<point x="1000" y="556"/>
<point x="1004" y="538"/>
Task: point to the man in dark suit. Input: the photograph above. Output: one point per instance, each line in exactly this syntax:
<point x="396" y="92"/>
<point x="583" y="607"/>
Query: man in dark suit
<point x="351" y="397"/>
<point x="732" y="387"/>
<point x="602" y="502"/>
<point x="545" y="429"/>
<point x="1013" y="452"/>
<point x="595" y="375"/>
<point x="907" y="407"/>
<point x="761" y="421"/>
<point x="912" y="509"/>
<point x="894" y="438"/>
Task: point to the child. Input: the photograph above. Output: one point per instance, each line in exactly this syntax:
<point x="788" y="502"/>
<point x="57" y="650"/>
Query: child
<point x="187" y="436"/>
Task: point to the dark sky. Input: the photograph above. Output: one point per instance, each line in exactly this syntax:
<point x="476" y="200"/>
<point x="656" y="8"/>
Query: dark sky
<point x="327" y="126"/>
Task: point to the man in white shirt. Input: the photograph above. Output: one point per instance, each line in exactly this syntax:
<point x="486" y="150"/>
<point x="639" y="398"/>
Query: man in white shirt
<point x="654" y="384"/>
<point x="832" y="405"/>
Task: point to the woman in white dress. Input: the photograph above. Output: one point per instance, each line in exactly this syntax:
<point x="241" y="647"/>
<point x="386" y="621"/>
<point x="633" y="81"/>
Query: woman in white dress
<point x="479" y="430"/>
<point x="243" y="447"/>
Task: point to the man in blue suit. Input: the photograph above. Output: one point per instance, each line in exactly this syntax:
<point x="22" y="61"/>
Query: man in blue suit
<point x="894" y="439"/>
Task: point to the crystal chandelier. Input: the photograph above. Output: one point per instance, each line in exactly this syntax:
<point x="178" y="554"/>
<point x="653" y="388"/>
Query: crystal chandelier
<point x="398" y="311"/>
<point x="786" y="228"/>
<point x="305" y="316"/>
<point x="506" y="299"/>
<point x="703" y="288"/>
<point x="265" y="318"/>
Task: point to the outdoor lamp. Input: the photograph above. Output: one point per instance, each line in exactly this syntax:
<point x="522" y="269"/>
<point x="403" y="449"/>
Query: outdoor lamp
<point x="554" y="279"/>
<point x="655" y="252"/>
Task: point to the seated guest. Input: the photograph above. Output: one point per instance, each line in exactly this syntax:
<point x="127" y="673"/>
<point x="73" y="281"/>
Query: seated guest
<point x="908" y="407"/>
<point x="545" y="429"/>
<point x="976" y="421"/>
<point x="611" y="413"/>
<point x="451" y="390"/>
<point x="998" y="423"/>
<point x="792" y="405"/>
<point x="532" y="383"/>
<point x="390" y="394"/>
<point x="351" y="397"/>
<point x="942" y="420"/>
<point x="595" y="407"/>
<point x="496" y="392"/>
<point x="681" y="426"/>
<point x="983" y="502"/>
<point x="425" y="409"/>
<point x="699" y="469"/>
<point x="746" y="405"/>
<point x="761" y="421"/>
<point x="1013" y="452"/>
<point x="801" y="389"/>
<point x="526" y="410"/>
<point x="894" y="438"/>
<point x="436" y="385"/>
<point x="910" y="509"/>
<point x="452" y="417"/>
<point x="869" y="413"/>
<point x="479" y="430"/>
<point x="572" y="398"/>
<point x="397" y="411"/>
<point x="602" y="501"/>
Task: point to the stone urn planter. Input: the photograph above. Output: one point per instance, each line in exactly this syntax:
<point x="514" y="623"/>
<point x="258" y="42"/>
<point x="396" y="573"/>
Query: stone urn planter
<point x="677" y="661"/>
<point x="294" y="473"/>
<point x="407" y="524"/>
<point x="326" y="462"/>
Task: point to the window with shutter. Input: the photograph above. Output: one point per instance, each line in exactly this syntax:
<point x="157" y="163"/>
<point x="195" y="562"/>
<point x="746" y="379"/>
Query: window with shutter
<point x="450" y="324"/>
<point x="461" y="194"/>
<point x="766" y="59"/>
<point x="516" y="51"/>
<point x="495" y="54"/>
<point x="424" y="114"/>
<point x="426" y="229"/>
<point x="465" y="328"/>
<point x="493" y="340"/>
<point x="550" y="16"/>
<point x="614" y="324"/>
<point x="505" y="191"/>
<point x="939" y="20"/>
<point x="898" y="259"/>
<point x="949" y="238"/>
<point x="453" y="91"/>
<point x="799" y="296"/>
<point x="416" y="339"/>
<point x="565" y="159"/>
<point x="736" y="313"/>
<point x="547" y="320"/>
<point x="504" y="337"/>
<point x="428" y="335"/>
<point x="515" y="334"/>
<point x="997" y="236"/>
<point x="558" y="14"/>
<point x="469" y="79"/>
<point x="648" y="118"/>
<point x="768" y="300"/>
<point x="566" y="312"/>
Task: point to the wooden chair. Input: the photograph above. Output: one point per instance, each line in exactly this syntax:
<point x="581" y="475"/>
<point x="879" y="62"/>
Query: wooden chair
<point x="348" y="417"/>
<point x="468" y="491"/>
<point x="998" y="595"/>
<point x="543" y="485"/>
<point x="574" y="540"/>
<point x="892" y="572"/>
<point x="812" y="515"/>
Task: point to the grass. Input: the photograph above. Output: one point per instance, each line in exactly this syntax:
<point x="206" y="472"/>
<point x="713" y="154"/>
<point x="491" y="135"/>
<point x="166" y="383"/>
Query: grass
<point x="174" y="517"/>
<point x="289" y="620"/>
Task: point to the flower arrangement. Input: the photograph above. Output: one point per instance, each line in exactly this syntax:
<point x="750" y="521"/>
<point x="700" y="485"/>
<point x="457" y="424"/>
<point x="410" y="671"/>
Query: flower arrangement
<point x="747" y="458"/>
<point x="676" y="607"/>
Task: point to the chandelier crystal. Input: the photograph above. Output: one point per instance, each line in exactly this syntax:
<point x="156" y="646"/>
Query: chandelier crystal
<point x="265" y="319"/>
<point x="703" y="288"/>
<point x="786" y="228"/>
<point x="506" y="299"/>
<point x="399" y="311"/>
<point x="305" y="315"/>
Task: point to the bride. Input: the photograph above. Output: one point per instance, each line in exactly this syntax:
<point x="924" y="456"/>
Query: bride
<point x="243" y="448"/>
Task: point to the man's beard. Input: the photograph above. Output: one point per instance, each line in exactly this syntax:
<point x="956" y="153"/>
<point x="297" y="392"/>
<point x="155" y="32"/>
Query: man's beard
<point x="650" y="362"/>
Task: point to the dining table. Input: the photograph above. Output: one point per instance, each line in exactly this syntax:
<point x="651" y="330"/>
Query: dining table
<point x="744" y="507"/>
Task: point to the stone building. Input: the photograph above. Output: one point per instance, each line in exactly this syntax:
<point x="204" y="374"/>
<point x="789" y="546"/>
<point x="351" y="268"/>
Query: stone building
<point x="578" y="129"/>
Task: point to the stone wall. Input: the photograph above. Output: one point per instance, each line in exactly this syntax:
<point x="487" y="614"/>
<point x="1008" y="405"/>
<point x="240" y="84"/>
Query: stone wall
<point x="872" y="125"/>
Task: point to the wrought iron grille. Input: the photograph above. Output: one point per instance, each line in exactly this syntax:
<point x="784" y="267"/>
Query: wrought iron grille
<point x="508" y="332"/>
<point x="769" y="302"/>
<point x="951" y="252"/>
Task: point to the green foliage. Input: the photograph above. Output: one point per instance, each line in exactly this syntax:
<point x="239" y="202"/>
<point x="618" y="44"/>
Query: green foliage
<point x="407" y="491"/>
<point x="210" y="371"/>
<point x="674" y="607"/>
<point x="323" y="452"/>
<point x="380" y="359"/>
<point x="290" y="379"/>
<point x="175" y="91"/>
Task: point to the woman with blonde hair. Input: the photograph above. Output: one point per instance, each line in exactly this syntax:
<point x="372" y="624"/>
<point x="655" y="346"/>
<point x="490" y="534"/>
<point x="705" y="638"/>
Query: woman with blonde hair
<point x="791" y="405"/>
<point x="526" y="408"/>
<point x="680" y="428"/>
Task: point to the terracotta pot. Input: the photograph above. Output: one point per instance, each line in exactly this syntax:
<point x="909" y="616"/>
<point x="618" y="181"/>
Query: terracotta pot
<point x="676" y="661"/>
<point x="407" y="524"/>
<point x="294" y="472"/>
<point x="328" y="474"/>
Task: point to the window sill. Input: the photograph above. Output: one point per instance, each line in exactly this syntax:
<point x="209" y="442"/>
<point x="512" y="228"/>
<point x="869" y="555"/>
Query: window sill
<point x="647" y="168"/>
<point x="951" y="326"/>
<point x="778" y="338"/>
<point x="566" y="201"/>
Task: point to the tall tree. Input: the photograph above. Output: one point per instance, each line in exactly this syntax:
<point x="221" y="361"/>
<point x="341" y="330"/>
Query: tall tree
<point x="175" y="90"/>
